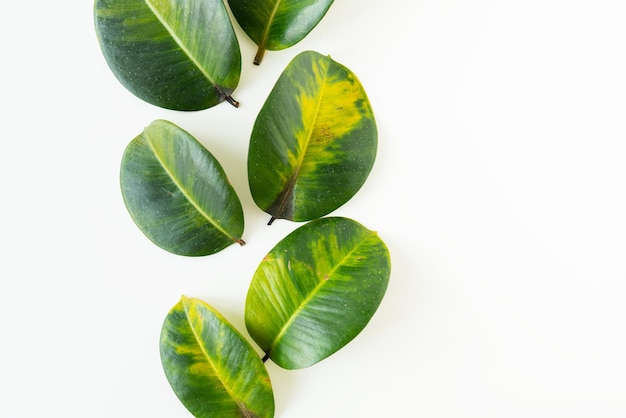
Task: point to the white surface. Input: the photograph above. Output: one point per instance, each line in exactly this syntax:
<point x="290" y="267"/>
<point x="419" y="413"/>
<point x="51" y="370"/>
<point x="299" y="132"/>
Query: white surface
<point x="500" y="189"/>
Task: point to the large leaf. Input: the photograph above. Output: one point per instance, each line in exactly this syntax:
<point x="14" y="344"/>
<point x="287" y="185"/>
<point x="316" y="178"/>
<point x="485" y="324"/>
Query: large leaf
<point x="178" y="194"/>
<point x="314" y="141"/>
<point x="316" y="290"/>
<point x="277" y="24"/>
<point x="213" y="370"/>
<point x="176" y="54"/>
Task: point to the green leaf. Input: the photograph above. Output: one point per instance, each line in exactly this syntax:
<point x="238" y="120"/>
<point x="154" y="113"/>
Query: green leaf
<point x="316" y="290"/>
<point x="314" y="141"/>
<point x="178" y="194"/>
<point x="176" y="54"/>
<point x="211" y="367"/>
<point x="277" y="24"/>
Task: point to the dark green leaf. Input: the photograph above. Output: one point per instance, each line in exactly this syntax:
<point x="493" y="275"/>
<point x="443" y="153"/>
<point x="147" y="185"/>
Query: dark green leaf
<point x="278" y="24"/>
<point x="176" y="54"/>
<point x="211" y="367"/>
<point x="178" y="194"/>
<point x="316" y="290"/>
<point x="314" y="141"/>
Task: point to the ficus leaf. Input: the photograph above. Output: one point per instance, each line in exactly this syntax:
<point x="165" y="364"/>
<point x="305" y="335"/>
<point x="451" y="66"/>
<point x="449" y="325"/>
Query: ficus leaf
<point x="176" y="54"/>
<point x="211" y="367"/>
<point x="316" y="290"/>
<point x="277" y="24"/>
<point x="177" y="192"/>
<point x="314" y="141"/>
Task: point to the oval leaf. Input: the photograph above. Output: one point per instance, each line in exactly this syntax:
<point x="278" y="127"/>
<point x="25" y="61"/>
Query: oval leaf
<point x="314" y="141"/>
<point x="316" y="290"/>
<point x="211" y="367"/>
<point x="176" y="54"/>
<point x="277" y="24"/>
<point x="178" y="194"/>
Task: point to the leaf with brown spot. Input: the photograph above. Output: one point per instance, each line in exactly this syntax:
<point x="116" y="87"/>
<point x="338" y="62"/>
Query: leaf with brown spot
<point x="314" y="141"/>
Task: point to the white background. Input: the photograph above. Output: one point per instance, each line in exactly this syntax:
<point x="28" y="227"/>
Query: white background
<point x="499" y="187"/>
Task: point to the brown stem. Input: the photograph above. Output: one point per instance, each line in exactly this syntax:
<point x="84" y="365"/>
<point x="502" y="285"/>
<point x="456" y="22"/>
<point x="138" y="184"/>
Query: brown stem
<point x="241" y="242"/>
<point x="232" y="101"/>
<point x="259" y="55"/>
<point x="272" y="219"/>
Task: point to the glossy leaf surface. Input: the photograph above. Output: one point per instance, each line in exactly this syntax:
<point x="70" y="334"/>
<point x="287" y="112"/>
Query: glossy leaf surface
<point x="178" y="194"/>
<point x="176" y="54"/>
<point x="316" y="290"/>
<point x="211" y="367"/>
<point x="314" y="141"/>
<point x="278" y="24"/>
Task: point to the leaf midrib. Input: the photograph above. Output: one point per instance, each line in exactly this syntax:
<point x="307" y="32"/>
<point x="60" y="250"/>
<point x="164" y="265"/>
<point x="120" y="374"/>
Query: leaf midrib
<point x="269" y="24"/>
<point x="208" y="358"/>
<point x="294" y="177"/>
<point x="184" y="191"/>
<point x="180" y="43"/>
<point x="314" y="293"/>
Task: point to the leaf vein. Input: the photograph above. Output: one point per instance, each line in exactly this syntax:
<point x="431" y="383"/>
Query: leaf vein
<point x="323" y="278"/>
<point x="185" y="192"/>
<point x="180" y="43"/>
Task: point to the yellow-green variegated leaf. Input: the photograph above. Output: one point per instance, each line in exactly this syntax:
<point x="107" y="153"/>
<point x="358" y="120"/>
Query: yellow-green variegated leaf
<point x="316" y="290"/>
<point x="278" y="24"/>
<point x="314" y="141"/>
<point x="211" y="367"/>
<point x="176" y="54"/>
<point x="178" y="194"/>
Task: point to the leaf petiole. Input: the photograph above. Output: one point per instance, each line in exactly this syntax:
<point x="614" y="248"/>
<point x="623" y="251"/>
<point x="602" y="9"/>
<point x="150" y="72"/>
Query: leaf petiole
<point x="259" y="56"/>
<point x="232" y="101"/>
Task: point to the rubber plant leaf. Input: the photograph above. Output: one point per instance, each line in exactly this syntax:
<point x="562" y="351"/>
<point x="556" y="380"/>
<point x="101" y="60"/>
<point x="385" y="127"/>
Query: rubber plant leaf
<point x="211" y="367"/>
<point x="277" y="24"/>
<point x="314" y="141"/>
<point x="316" y="290"/>
<point x="175" y="54"/>
<point x="178" y="194"/>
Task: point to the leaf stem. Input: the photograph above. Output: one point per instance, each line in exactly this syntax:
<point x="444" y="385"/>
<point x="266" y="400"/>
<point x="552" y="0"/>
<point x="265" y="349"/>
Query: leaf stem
<point x="259" y="55"/>
<point x="272" y="219"/>
<point x="241" y="242"/>
<point x="232" y="101"/>
<point x="265" y="357"/>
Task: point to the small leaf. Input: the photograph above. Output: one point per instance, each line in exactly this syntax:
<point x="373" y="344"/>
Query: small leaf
<point x="316" y="290"/>
<point x="176" y="54"/>
<point x="314" y="141"/>
<point x="276" y="24"/>
<point x="178" y="194"/>
<point x="211" y="367"/>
